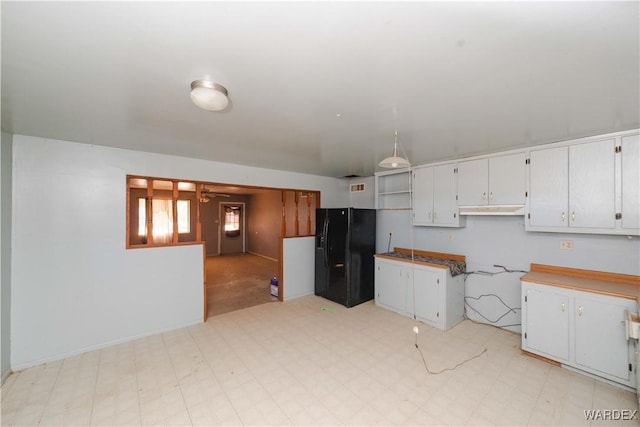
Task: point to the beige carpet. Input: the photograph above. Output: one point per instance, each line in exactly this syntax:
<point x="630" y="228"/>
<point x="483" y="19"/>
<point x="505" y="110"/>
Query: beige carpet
<point x="237" y="281"/>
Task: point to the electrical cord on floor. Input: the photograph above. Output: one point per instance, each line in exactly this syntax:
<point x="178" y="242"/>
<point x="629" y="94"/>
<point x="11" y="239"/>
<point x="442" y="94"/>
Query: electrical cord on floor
<point x="426" y="366"/>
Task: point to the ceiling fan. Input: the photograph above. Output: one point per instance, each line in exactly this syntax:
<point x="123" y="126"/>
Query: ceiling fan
<point x="206" y="195"/>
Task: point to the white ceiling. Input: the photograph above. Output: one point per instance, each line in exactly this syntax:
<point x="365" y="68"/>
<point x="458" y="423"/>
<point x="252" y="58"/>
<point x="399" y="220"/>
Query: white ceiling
<point x="453" y="78"/>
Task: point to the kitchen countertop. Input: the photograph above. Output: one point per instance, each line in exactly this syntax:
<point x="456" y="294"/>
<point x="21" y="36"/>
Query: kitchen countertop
<point x="455" y="263"/>
<point x="599" y="282"/>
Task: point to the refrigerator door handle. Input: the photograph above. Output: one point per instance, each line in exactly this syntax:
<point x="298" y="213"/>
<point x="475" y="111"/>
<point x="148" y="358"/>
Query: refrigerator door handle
<point x="325" y="238"/>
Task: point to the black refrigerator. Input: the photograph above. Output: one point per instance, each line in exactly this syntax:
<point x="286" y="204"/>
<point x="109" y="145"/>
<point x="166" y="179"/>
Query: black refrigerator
<point x="345" y="245"/>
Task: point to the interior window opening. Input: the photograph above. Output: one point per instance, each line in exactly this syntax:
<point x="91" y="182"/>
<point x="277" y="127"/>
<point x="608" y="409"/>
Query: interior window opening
<point x="166" y="211"/>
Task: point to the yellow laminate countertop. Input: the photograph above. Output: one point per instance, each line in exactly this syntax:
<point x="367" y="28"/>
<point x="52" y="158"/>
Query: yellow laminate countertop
<point x="599" y="282"/>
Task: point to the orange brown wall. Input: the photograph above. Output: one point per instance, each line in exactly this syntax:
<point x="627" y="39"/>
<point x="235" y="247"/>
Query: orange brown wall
<point x="264" y="222"/>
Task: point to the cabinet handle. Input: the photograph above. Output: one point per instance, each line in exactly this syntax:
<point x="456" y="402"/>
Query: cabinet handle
<point x="430" y="213"/>
<point x="563" y="307"/>
<point x="491" y="195"/>
<point x="562" y="216"/>
<point x="580" y="311"/>
<point x="484" y="196"/>
<point x="573" y="216"/>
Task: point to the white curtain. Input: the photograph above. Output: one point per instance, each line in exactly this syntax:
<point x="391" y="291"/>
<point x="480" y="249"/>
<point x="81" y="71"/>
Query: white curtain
<point x="162" y="220"/>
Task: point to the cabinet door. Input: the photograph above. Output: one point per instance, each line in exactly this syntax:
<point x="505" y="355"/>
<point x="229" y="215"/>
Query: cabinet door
<point x="592" y="185"/>
<point x="445" y="206"/>
<point x="473" y="182"/>
<point x="547" y="322"/>
<point x="631" y="182"/>
<point x="507" y="179"/>
<point x="390" y="285"/>
<point x="428" y="297"/>
<point x="423" y="195"/>
<point x="600" y="338"/>
<point x="548" y="187"/>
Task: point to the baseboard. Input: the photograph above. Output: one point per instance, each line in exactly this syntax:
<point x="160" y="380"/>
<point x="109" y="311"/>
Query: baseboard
<point x="263" y="256"/>
<point x="30" y="364"/>
<point x="5" y="375"/>
<point x="289" y="298"/>
<point x="544" y="359"/>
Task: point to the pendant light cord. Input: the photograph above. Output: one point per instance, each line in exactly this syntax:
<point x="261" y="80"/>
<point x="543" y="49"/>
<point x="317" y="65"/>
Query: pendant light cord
<point x="413" y="289"/>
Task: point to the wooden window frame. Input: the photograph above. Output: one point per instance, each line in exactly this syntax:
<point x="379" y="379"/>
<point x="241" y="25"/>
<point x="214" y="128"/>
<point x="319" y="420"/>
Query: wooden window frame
<point x="175" y="197"/>
<point x="311" y="195"/>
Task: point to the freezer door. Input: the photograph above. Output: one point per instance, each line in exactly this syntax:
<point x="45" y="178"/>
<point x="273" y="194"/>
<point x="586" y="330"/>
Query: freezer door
<point x="337" y="232"/>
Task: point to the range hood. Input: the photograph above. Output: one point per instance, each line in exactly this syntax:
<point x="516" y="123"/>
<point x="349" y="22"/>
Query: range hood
<point x="504" y="210"/>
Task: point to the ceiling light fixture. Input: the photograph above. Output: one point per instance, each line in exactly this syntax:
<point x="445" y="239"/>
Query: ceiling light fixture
<point x="395" y="161"/>
<point x="209" y="95"/>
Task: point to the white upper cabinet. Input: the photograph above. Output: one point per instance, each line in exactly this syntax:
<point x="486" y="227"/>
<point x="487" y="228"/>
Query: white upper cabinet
<point x="473" y="181"/>
<point x="422" y="182"/>
<point x="507" y="176"/>
<point x="498" y="180"/>
<point x="585" y="186"/>
<point x="630" y="152"/>
<point x="592" y="185"/>
<point x="548" y="187"/>
<point x="434" y="196"/>
<point x="445" y="207"/>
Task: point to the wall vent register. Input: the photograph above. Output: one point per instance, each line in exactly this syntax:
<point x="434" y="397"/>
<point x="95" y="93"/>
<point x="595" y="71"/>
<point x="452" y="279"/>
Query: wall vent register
<point x="357" y="188"/>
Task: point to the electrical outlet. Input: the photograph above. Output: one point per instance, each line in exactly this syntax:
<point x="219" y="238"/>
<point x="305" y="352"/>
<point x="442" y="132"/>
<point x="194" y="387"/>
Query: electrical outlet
<point x="449" y="236"/>
<point x="566" y="244"/>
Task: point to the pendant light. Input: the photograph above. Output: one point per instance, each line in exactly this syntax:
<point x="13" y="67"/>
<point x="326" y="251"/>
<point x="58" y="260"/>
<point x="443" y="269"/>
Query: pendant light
<point x="395" y="161"/>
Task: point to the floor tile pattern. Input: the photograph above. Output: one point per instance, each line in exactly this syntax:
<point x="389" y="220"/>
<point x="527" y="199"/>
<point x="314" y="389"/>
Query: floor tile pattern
<point x="237" y="281"/>
<point x="297" y="363"/>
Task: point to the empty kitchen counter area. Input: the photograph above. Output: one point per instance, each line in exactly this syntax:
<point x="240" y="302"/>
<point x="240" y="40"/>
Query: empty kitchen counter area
<point x="427" y="286"/>
<point x="580" y="319"/>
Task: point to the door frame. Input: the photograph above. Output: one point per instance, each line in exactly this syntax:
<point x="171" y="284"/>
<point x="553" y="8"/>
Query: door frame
<point x="242" y="228"/>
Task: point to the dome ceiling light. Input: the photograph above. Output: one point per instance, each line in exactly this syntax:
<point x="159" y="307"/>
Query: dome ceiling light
<point x="209" y="95"/>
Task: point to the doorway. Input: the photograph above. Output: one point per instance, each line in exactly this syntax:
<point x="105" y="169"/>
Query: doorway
<point x="231" y="232"/>
<point x="238" y="281"/>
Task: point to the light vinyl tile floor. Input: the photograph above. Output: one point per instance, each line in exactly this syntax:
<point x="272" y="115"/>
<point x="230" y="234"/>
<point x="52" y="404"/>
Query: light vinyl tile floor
<point x="308" y="362"/>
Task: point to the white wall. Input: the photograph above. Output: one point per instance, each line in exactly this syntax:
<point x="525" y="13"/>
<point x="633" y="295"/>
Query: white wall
<point x="6" y="159"/>
<point x="365" y="199"/>
<point x="74" y="285"/>
<point x="298" y="267"/>
<point x="486" y="241"/>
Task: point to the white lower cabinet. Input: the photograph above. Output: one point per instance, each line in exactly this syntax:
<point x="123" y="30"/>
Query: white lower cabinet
<point x="431" y="293"/>
<point x="426" y="296"/>
<point x="600" y="340"/>
<point x="580" y="329"/>
<point x="391" y="283"/>
<point x="545" y="315"/>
